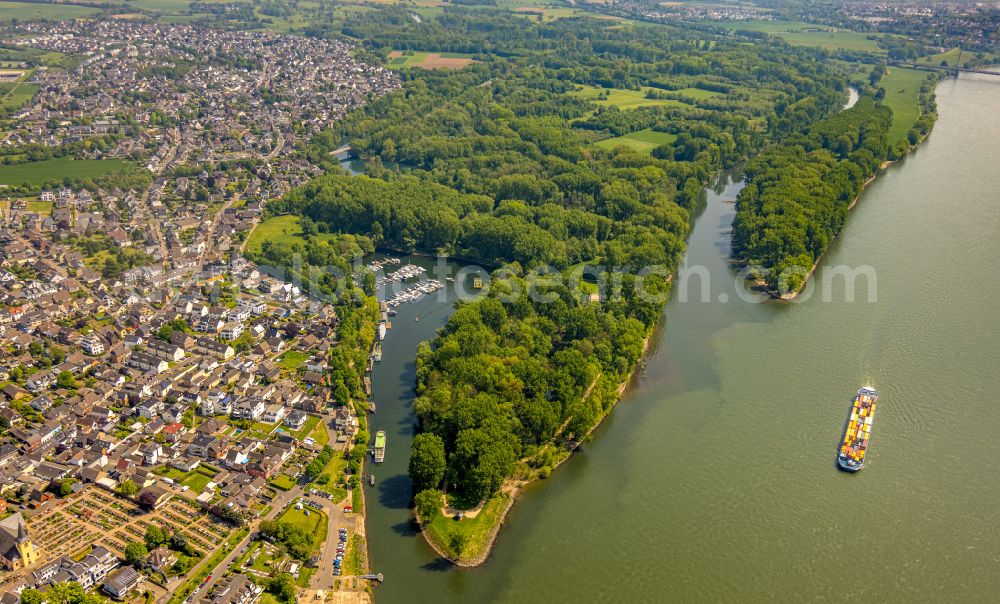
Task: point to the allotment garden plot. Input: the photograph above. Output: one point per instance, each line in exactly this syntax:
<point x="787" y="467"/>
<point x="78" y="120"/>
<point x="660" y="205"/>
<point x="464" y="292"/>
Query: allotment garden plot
<point x="99" y="518"/>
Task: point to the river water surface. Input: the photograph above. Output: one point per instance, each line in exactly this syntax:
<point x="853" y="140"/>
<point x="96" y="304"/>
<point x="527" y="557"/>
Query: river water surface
<point x="714" y="479"/>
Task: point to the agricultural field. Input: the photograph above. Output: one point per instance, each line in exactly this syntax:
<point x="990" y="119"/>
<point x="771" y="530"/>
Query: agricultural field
<point x="25" y="11"/>
<point x="37" y="173"/>
<point x="809" y="34"/>
<point x="902" y="90"/>
<point x="418" y="3"/>
<point x="167" y="6"/>
<point x="643" y="140"/>
<point x="18" y="95"/>
<point x="621" y="98"/>
<point x="428" y="60"/>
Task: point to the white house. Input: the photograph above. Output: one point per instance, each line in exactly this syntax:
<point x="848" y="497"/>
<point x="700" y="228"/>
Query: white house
<point x="92" y="345"/>
<point x="249" y="408"/>
<point x="296" y="420"/>
<point x="231" y="330"/>
<point x="274" y="413"/>
<point x="151" y="453"/>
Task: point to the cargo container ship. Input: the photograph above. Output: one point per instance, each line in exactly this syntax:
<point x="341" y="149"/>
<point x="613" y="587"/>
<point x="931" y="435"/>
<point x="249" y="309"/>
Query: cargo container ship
<point x="859" y="431"/>
<point x="379" y="451"/>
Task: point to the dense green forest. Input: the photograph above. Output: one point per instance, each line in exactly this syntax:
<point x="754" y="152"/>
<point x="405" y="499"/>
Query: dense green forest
<point x="496" y="163"/>
<point x="504" y="379"/>
<point x="798" y="193"/>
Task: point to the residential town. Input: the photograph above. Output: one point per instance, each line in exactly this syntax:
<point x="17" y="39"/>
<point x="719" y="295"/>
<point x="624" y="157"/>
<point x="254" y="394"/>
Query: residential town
<point x="218" y="120"/>
<point x="209" y="409"/>
<point x="165" y="403"/>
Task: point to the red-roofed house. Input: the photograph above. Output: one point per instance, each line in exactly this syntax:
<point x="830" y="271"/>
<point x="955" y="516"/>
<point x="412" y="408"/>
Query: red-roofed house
<point x="173" y="432"/>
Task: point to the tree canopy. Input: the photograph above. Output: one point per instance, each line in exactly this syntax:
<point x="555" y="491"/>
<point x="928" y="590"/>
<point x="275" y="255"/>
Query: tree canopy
<point x="427" y="461"/>
<point x="798" y="193"/>
<point x="496" y="163"/>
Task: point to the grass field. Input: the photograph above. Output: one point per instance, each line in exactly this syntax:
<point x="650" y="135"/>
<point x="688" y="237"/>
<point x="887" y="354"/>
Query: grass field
<point x="283" y="482"/>
<point x="171" y="473"/>
<point x="45" y="57"/>
<point x="352" y="563"/>
<point x="36" y="173"/>
<point x="262" y="427"/>
<point x="327" y="480"/>
<point x="320" y="435"/>
<point x="280" y="228"/>
<point x="809" y="34"/>
<point x="467" y="538"/>
<point x="197" y="481"/>
<point x="642" y="140"/>
<point x="314" y="523"/>
<point x="40" y="207"/>
<point x="621" y="98"/>
<point x="25" y="11"/>
<point x="549" y="13"/>
<point x="306" y="428"/>
<point x="19" y="95"/>
<point x="292" y="359"/>
<point x="950" y="58"/>
<point x="698" y="93"/>
<point x="428" y="60"/>
<point x="902" y="89"/>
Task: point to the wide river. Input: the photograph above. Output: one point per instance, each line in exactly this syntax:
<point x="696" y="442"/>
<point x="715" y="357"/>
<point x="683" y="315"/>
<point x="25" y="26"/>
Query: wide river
<point x="714" y="479"/>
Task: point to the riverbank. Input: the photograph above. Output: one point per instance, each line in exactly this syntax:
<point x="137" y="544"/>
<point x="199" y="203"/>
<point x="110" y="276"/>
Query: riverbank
<point x="789" y="296"/>
<point x="659" y="500"/>
<point x="792" y="295"/>
<point x="432" y="532"/>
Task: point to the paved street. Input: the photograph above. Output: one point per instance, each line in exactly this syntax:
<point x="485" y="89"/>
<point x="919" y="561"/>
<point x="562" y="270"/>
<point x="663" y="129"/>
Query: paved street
<point x="282" y="499"/>
<point x="324" y="578"/>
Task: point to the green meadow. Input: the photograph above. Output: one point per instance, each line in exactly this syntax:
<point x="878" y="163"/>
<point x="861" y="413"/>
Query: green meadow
<point x="25" y="11"/>
<point x="809" y="34"/>
<point x="642" y="140"/>
<point x="39" y="172"/>
<point x="621" y="98"/>
<point x="949" y="58"/>
<point x="902" y="91"/>
<point x="279" y="228"/>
